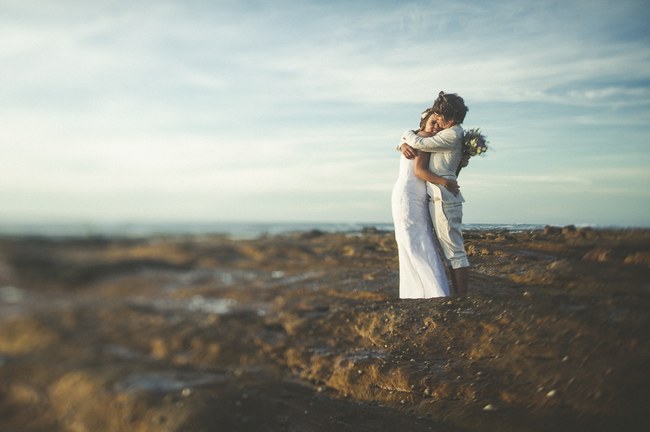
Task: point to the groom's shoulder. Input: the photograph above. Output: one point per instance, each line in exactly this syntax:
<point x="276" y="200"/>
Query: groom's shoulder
<point x="454" y="132"/>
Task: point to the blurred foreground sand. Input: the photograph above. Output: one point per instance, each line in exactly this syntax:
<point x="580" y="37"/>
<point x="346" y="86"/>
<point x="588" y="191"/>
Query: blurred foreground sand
<point x="303" y="332"/>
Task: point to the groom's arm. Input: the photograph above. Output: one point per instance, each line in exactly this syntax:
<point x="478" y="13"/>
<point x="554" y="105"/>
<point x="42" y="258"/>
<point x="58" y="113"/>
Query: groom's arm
<point x="443" y="141"/>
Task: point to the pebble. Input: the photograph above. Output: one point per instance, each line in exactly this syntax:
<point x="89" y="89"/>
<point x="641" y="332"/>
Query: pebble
<point x="551" y="393"/>
<point x="489" y="407"/>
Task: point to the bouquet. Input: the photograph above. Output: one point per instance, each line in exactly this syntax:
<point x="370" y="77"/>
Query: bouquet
<point x="474" y="143"/>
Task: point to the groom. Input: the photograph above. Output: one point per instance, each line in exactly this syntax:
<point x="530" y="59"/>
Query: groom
<point x="446" y="209"/>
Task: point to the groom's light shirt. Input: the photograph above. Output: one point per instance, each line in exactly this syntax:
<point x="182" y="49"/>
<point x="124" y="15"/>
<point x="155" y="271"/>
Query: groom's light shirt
<point x="446" y="149"/>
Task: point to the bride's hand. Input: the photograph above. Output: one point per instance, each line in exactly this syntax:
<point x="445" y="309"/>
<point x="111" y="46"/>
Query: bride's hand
<point x="408" y="151"/>
<point x="452" y="186"/>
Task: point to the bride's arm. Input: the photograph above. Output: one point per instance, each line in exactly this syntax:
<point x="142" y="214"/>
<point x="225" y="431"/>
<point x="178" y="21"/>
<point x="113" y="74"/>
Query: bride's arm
<point x="422" y="172"/>
<point x="408" y="151"/>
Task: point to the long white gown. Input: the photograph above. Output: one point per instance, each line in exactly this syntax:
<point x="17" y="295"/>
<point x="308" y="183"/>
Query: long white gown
<point x="421" y="272"/>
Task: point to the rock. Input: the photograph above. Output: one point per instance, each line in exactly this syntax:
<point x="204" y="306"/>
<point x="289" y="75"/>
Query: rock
<point x="569" y="229"/>
<point x="472" y="250"/>
<point x="20" y="335"/>
<point x="561" y="266"/>
<point x="598" y="255"/>
<point x="551" y="230"/>
<point x="587" y="233"/>
<point x="312" y="234"/>
<point x="642" y="258"/>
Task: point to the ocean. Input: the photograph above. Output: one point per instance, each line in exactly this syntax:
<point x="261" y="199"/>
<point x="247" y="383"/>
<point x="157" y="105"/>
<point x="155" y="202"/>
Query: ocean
<point x="240" y="230"/>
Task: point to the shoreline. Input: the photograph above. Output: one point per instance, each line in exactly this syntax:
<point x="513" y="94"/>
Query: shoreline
<point x="237" y="230"/>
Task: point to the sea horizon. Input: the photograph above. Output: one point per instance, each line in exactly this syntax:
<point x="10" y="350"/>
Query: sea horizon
<point x="240" y="230"/>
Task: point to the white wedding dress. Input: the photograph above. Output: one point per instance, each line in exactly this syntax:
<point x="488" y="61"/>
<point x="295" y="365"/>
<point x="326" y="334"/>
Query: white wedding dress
<point x="421" y="273"/>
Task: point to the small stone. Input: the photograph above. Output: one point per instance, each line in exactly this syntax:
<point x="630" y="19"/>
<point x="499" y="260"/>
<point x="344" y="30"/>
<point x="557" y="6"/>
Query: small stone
<point x="187" y="392"/>
<point x="551" y="394"/>
<point x="489" y="407"/>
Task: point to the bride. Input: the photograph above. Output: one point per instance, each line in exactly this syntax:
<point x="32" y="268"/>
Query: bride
<point x="421" y="272"/>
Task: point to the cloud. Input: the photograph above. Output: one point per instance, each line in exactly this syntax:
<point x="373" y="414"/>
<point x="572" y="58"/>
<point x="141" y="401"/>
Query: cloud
<point x="527" y="57"/>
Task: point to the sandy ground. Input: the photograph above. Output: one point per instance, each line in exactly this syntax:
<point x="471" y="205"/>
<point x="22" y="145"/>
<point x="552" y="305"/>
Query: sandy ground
<point x="303" y="332"/>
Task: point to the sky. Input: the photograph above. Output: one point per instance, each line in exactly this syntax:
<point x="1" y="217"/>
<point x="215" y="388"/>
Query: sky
<point x="290" y="111"/>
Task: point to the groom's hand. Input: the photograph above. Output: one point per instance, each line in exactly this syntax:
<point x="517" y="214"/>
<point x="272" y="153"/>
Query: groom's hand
<point x="408" y="151"/>
<point x="452" y="186"/>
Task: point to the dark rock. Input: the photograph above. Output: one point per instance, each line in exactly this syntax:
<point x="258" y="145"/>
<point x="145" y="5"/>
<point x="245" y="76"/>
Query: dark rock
<point x="551" y="230"/>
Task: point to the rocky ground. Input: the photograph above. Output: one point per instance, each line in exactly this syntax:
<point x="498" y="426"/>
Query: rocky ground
<point x="303" y="332"/>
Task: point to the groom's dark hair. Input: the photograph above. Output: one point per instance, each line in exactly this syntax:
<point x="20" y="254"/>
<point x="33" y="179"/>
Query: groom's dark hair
<point x="450" y="106"/>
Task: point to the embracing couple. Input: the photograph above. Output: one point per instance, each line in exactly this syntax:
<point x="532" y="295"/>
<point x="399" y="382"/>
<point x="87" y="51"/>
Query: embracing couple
<point x="427" y="204"/>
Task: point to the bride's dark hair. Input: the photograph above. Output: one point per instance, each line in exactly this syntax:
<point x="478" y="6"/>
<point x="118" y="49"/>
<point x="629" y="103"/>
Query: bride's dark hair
<point x="450" y="106"/>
